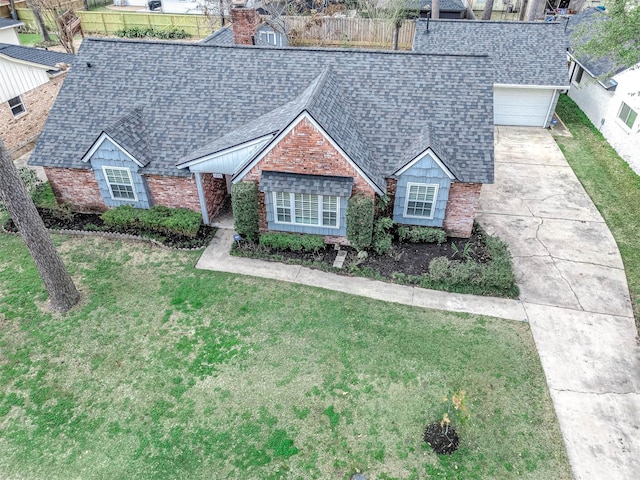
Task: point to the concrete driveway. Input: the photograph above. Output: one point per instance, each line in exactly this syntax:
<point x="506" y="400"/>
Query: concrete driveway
<point x="575" y="295"/>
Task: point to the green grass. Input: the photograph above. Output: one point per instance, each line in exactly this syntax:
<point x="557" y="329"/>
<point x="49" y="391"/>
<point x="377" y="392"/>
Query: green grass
<point x="31" y="39"/>
<point x="612" y="185"/>
<point x="167" y="372"/>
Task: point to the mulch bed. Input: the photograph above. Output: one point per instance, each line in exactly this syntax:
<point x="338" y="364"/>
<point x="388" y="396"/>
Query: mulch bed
<point x="61" y="219"/>
<point x="443" y="439"/>
<point x="407" y="258"/>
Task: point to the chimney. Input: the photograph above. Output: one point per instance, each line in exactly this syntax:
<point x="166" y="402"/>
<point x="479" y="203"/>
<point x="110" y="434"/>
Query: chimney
<point x="244" y="23"/>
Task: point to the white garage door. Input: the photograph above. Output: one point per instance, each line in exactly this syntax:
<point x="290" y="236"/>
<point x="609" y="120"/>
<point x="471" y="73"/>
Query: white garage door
<point x="527" y="107"/>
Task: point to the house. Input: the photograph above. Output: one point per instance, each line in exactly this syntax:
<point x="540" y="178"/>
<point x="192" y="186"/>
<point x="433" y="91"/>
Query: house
<point x="9" y="31"/>
<point x="310" y="127"/>
<point x="31" y="79"/>
<point x="528" y="60"/>
<point x="450" y="9"/>
<point x="606" y="94"/>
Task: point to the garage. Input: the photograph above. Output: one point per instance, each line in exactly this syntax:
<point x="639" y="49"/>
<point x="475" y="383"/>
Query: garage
<point x="528" y="107"/>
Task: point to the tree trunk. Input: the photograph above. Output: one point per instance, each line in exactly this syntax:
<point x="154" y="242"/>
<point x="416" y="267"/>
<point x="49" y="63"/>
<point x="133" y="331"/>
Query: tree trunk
<point x="221" y="13"/>
<point x="488" y="8"/>
<point x="12" y="7"/>
<point x="62" y="292"/>
<point x="533" y="10"/>
<point x="41" y="26"/>
<point x="435" y="8"/>
<point x="396" y="33"/>
<point x="86" y="4"/>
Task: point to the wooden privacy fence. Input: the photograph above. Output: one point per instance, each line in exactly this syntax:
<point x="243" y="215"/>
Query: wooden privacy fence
<point x="348" y="31"/>
<point x="107" y="23"/>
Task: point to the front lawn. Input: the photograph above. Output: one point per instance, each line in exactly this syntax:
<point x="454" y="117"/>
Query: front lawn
<point x="611" y="184"/>
<point x="167" y="372"/>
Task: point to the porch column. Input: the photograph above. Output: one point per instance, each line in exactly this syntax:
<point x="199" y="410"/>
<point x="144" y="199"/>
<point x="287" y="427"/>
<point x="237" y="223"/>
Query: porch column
<point x="203" y="203"/>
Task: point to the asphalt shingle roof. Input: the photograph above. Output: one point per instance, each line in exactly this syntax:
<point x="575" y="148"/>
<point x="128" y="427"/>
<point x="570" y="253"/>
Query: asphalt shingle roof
<point x="9" y="23"/>
<point x="193" y="94"/>
<point x="445" y="5"/>
<point x="36" y="55"/>
<point x="523" y="53"/>
<point x="578" y="29"/>
<point x="310" y="184"/>
<point x="130" y="132"/>
<point x="223" y="37"/>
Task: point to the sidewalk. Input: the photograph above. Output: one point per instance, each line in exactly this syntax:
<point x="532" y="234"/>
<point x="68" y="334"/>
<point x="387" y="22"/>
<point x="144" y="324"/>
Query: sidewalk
<point x="217" y="257"/>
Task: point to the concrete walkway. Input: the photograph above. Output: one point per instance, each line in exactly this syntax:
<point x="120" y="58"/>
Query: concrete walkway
<point x="575" y="294"/>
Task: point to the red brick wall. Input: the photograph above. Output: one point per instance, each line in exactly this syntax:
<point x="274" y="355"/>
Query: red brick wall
<point x="245" y="25"/>
<point x="215" y="191"/>
<point x="20" y="134"/>
<point x="173" y="192"/>
<point x="76" y="187"/>
<point x="305" y="150"/>
<point x="461" y="209"/>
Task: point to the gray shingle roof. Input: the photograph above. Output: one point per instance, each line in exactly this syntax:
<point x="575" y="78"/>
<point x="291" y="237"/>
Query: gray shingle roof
<point x="47" y="58"/>
<point x="9" y="23"/>
<point x="224" y="37"/>
<point x="194" y="94"/>
<point x="130" y="131"/>
<point x="523" y="53"/>
<point x="445" y="5"/>
<point x="311" y="184"/>
<point x="427" y="138"/>
<point x="579" y="28"/>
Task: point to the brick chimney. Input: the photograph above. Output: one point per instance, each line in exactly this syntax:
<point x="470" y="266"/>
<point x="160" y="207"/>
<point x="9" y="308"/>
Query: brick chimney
<point x="244" y="23"/>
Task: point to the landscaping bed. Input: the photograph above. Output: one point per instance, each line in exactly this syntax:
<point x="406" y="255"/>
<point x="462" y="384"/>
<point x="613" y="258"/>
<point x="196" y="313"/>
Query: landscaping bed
<point x="479" y="265"/>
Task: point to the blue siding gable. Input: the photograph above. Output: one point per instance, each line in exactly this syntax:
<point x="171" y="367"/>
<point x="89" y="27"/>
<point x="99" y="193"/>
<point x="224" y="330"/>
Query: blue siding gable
<point x="109" y="155"/>
<point x="424" y="171"/>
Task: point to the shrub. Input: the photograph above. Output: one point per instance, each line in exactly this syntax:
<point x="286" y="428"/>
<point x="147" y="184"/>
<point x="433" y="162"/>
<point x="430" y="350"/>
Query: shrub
<point x="138" y="32"/>
<point x="244" y="202"/>
<point x="360" y="221"/>
<point x="421" y="234"/>
<point x="157" y="219"/>
<point x="31" y="182"/>
<point x="382" y="237"/>
<point x="439" y="269"/>
<point x="292" y="241"/>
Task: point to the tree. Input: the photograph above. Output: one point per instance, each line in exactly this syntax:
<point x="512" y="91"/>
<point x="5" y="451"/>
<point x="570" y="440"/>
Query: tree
<point x="392" y="11"/>
<point x="62" y="292"/>
<point x="618" y="37"/>
<point x="36" y="9"/>
<point x="488" y="8"/>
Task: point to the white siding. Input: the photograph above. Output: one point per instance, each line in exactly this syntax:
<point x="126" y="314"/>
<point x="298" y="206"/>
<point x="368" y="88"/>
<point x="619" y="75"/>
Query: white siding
<point x="16" y="79"/>
<point x="9" y="35"/>
<point x="602" y="108"/>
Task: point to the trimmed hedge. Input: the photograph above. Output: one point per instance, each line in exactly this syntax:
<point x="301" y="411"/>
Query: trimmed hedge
<point x="421" y="234"/>
<point x="360" y="213"/>
<point x="244" y="202"/>
<point x="292" y="241"/>
<point x="139" y="32"/>
<point x="158" y="219"/>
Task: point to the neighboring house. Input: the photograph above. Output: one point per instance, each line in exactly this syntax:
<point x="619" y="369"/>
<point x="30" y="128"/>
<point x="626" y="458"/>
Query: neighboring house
<point x="9" y="31"/>
<point x="449" y="9"/>
<point x="30" y="79"/>
<point x="528" y="62"/>
<point x="311" y="127"/>
<point x="609" y="96"/>
<point x="265" y="36"/>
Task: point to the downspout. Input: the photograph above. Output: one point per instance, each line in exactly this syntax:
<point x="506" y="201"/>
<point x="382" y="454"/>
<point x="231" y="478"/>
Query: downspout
<point x="203" y="203"/>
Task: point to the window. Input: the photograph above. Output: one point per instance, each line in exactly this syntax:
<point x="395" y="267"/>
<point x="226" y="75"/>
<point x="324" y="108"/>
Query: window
<point x="272" y="38"/>
<point x="120" y="183"/>
<point x="577" y="78"/>
<point x="627" y="115"/>
<point x="306" y="209"/>
<point x="420" y="200"/>
<point x="16" y="106"/>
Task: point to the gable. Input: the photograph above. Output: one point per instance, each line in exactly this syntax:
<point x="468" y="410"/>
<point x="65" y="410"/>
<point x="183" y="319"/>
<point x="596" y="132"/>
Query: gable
<point x="304" y="148"/>
<point x="20" y="78"/>
<point x="106" y="149"/>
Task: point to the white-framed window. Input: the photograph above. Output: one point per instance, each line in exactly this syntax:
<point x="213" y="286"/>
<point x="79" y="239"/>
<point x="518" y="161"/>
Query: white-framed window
<point x="421" y="200"/>
<point x="577" y="78"/>
<point x="17" y="106"/>
<point x="306" y="209"/>
<point x="269" y="37"/>
<point x="627" y="114"/>
<point x="120" y="183"/>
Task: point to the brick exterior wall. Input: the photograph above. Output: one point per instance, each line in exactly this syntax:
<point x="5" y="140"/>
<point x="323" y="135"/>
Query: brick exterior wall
<point x="461" y="209"/>
<point x="305" y="150"/>
<point x="79" y="188"/>
<point x="173" y="192"/>
<point x="245" y="26"/>
<point x="19" y="134"/>
<point x="215" y="191"/>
